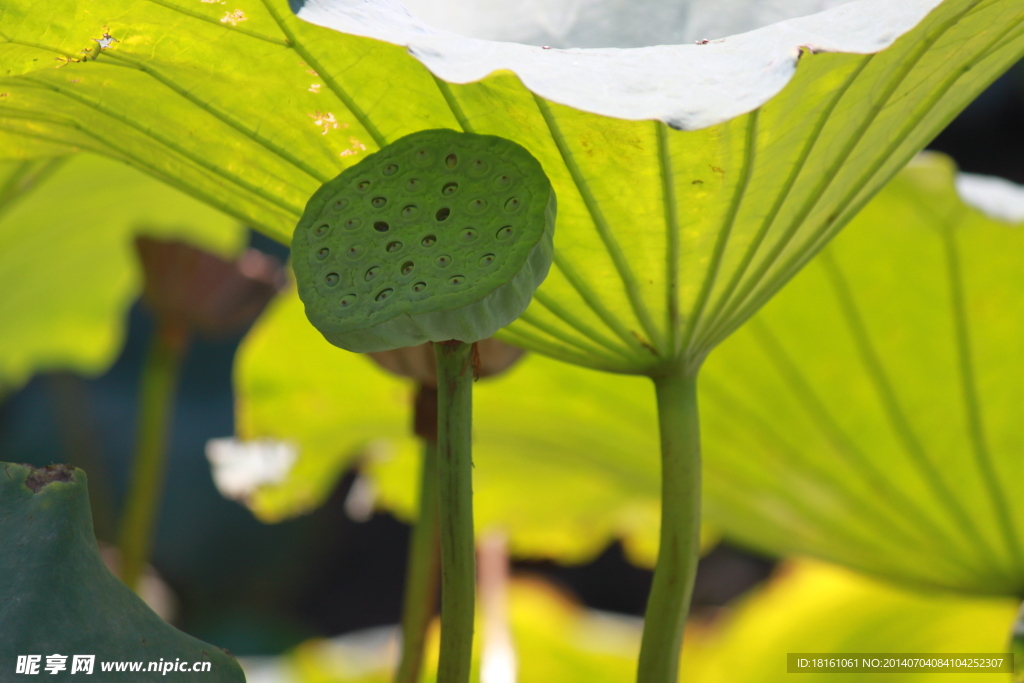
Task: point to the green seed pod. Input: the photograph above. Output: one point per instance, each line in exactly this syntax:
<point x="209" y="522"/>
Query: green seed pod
<point x="438" y="236"/>
<point x="57" y="596"/>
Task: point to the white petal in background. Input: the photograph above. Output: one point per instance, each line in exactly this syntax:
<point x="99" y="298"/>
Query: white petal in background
<point x="240" y="467"/>
<point x="995" y="197"/>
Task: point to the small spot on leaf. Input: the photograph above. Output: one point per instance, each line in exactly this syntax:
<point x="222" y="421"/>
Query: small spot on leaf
<point x="325" y="120"/>
<point x="234" y="18"/>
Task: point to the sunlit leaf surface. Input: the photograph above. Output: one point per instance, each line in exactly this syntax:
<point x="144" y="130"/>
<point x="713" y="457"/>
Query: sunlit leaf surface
<point x="813" y="607"/>
<point x="667" y="239"/>
<point x="67" y="265"/>
<point x="871" y="415"/>
<point x="565" y="459"/>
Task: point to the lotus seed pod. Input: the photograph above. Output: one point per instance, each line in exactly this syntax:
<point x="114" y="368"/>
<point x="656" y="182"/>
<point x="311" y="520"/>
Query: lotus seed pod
<point x="439" y="236"/>
<point x="57" y="596"/>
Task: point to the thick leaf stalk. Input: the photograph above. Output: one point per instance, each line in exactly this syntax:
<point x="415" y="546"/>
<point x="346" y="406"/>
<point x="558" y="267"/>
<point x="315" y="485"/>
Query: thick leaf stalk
<point x="455" y="506"/>
<point x="160" y="375"/>
<point x="669" y="601"/>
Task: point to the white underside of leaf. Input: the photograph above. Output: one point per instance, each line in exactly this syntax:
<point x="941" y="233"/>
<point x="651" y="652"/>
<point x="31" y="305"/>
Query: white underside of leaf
<point x="608" y="23"/>
<point x="687" y="86"/>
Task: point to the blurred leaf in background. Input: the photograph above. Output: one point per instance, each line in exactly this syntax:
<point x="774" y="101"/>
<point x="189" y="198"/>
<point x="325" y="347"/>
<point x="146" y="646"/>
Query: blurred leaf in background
<point x="807" y="607"/>
<point x="574" y="469"/>
<point x="565" y="459"/>
<point x="872" y="414"/>
<point x="555" y="639"/>
<point x="68" y="272"/>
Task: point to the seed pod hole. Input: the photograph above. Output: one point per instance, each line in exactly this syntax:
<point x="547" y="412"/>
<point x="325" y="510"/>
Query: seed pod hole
<point x="372" y="273"/>
<point x="443" y="261"/>
<point x="355" y="251"/>
<point x="332" y="279"/>
<point x="486" y="260"/>
<point x="323" y="253"/>
<point x="340" y="205"/>
<point x="352" y="223"/>
<point x="379" y="202"/>
<point x="393" y="247"/>
<point x="429" y="241"/>
<point x="512" y="204"/>
<point x="384" y="294"/>
<point x="456" y="280"/>
<point x="419" y="286"/>
<point x="502" y="181"/>
<point x="449" y="189"/>
<point x="451" y="161"/>
<point x="322" y="230"/>
<point x="363" y="186"/>
<point x="414" y="185"/>
<point x="390" y="169"/>
<point x="381" y="226"/>
<point x="407" y="267"/>
<point x="410" y="211"/>
<point x="347" y="300"/>
<point x="443" y="213"/>
<point x="422" y="156"/>
<point x="477" y="205"/>
<point x="468" y="235"/>
<point x="478" y="167"/>
<point x="504" y="233"/>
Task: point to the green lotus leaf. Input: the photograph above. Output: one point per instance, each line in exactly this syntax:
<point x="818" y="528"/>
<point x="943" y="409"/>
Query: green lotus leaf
<point x="668" y="239"/>
<point x="582" y="443"/>
<point x="68" y="269"/>
<point x="438" y="236"/>
<point x="870" y="415"/>
<point x="59" y="598"/>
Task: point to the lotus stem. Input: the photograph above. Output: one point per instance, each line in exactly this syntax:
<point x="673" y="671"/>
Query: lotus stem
<point x="424" y="565"/>
<point x="455" y="506"/>
<point x="158" y="389"/>
<point x="668" y="603"/>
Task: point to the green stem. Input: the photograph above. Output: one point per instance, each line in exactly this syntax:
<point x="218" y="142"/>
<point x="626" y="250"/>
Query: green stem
<point x="455" y="505"/>
<point x="424" y="567"/>
<point x="156" y="408"/>
<point x="669" y="601"/>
